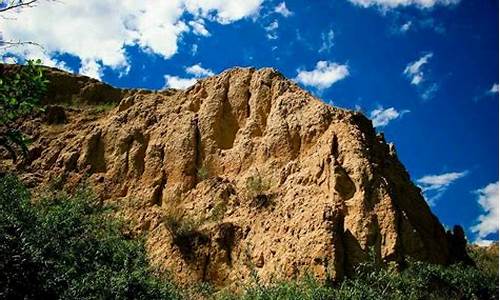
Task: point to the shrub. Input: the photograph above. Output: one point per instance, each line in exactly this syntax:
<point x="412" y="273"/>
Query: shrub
<point x="218" y="211"/>
<point x="258" y="190"/>
<point x="181" y="226"/>
<point x="21" y="91"/>
<point x="185" y="232"/>
<point x="486" y="258"/>
<point x="202" y="173"/>
<point x="418" y="280"/>
<point x="69" y="247"/>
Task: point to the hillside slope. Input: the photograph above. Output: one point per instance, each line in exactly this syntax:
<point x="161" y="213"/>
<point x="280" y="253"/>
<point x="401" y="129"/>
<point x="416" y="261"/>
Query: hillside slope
<point x="243" y="172"/>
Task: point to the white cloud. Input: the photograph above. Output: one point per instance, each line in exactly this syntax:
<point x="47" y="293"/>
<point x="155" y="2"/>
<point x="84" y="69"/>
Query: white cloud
<point x="414" y="70"/>
<point x="406" y="26"/>
<point x="323" y="76"/>
<point x="91" y="68"/>
<point x="98" y="32"/>
<point x="327" y="41"/>
<point x="483" y="242"/>
<point x="199" y="27"/>
<point x="272" y="30"/>
<point x="494" y="89"/>
<point x="223" y="11"/>
<point x="434" y="186"/>
<point x="178" y="82"/>
<point x="198" y="71"/>
<point x="283" y="10"/>
<point x="389" y="4"/>
<point x="35" y="52"/>
<point x="381" y="117"/>
<point x="194" y="49"/>
<point x="487" y="222"/>
<point x="435" y="182"/>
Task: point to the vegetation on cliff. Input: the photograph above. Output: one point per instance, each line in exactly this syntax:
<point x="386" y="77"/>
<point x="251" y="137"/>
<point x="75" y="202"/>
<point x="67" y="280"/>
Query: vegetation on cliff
<point x="60" y="246"/>
<point x="21" y="92"/>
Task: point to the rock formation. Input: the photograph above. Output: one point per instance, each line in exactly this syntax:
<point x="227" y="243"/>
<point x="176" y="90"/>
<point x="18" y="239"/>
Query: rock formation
<point x="242" y="173"/>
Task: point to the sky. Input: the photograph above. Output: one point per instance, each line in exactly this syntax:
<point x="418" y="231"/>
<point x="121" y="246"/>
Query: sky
<point x="425" y="71"/>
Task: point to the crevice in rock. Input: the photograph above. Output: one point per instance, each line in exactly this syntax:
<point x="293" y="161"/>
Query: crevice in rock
<point x="226" y="239"/>
<point x="335" y="146"/>
<point x="228" y="125"/>
<point x="157" y="197"/>
<point x="138" y="156"/>
<point x="206" y="263"/>
<point x="197" y="145"/>
<point x="342" y="183"/>
<point x="94" y="153"/>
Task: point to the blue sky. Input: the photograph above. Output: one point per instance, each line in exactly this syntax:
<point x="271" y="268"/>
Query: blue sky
<point x="426" y="71"/>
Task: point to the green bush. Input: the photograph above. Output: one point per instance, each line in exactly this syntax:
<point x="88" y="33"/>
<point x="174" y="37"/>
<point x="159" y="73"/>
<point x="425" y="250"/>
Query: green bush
<point x="21" y="91"/>
<point x="258" y="190"/>
<point x="202" y="173"/>
<point x="61" y="246"/>
<point x="69" y="247"/>
<point x="185" y="232"/>
<point x="486" y="258"/>
<point x="372" y="281"/>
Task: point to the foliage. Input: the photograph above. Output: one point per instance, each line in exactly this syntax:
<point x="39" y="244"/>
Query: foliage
<point x="61" y="246"/>
<point x="202" y="173"/>
<point x="181" y="226"/>
<point x="372" y="281"/>
<point x="20" y="94"/>
<point x="69" y="247"/>
<point x="258" y="190"/>
<point x="185" y="232"/>
<point x="218" y="211"/>
<point x="486" y="258"/>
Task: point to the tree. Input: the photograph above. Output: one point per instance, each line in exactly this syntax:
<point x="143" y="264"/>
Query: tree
<point x="21" y="90"/>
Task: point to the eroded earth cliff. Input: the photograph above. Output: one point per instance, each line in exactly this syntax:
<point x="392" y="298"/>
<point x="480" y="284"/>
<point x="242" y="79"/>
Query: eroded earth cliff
<point x="242" y="172"/>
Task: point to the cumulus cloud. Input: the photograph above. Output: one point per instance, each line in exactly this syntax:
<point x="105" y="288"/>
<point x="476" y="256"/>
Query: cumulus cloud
<point x="487" y="197"/>
<point x="178" y="82"/>
<point x="414" y="70"/>
<point x="434" y="186"/>
<point x="196" y="71"/>
<point x="223" y="11"/>
<point x="283" y="10"/>
<point x="327" y="41"/>
<point x="390" y="4"/>
<point x="98" y="32"/>
<point x="199" y="27"/>
<point x="323" y="76"/>
<point x="90" y="68"/>
<point x="272" y="30"/>
<point x="381" y="117"/>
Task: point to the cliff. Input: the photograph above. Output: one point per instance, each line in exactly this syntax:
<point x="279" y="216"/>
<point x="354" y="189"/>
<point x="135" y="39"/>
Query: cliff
<point x="243" y="172"/>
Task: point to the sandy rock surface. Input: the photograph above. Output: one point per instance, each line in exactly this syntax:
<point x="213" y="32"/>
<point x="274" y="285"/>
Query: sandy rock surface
<point x="243" y="172"/>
